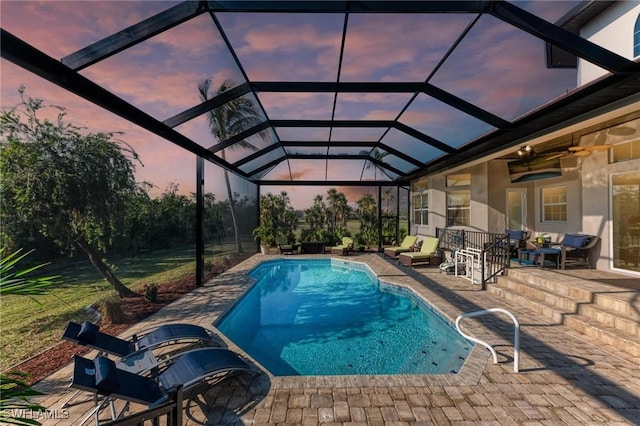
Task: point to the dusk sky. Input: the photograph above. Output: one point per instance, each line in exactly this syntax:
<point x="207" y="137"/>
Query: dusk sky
<point x="497" y="67"/>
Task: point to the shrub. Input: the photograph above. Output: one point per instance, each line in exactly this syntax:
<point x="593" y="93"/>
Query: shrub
<point x="151" y="293"/>
<point x="111" y="310"/>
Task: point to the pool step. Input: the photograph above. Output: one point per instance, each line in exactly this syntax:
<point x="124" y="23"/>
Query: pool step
<point x="608" y="313"/>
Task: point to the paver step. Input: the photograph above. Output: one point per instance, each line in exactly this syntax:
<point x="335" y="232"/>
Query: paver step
<point x="624" y="302"/>
<point x="599" y="309"/>
<point x="625" y="338"/>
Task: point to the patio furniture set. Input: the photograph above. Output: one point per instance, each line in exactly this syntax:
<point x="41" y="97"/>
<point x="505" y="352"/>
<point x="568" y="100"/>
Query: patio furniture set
<point x="574" y="249"/>
<point x="315" y="247"/>
<point x="154" y="381"/>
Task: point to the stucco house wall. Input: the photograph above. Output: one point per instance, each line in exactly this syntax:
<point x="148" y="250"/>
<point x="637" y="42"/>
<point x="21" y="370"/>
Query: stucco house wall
<point x="612" y="30"/>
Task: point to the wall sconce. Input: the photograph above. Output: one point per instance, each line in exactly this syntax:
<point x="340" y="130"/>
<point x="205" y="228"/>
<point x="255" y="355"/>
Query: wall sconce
<point x="526" y="151"/>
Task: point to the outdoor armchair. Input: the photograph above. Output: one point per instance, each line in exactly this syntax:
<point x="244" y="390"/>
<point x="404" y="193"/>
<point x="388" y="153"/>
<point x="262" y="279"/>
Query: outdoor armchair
<point x="517" y="240"/>
<point x="407" y="245"/>
<point x="577" y="249"/>
<point x="284" y="246"/>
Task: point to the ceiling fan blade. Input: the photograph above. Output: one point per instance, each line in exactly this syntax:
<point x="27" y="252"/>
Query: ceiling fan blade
<point x="576" y="148"/>
<point x="601" y="138"/>
<point x="583" y="153"/>
<point x="553" y="157"/>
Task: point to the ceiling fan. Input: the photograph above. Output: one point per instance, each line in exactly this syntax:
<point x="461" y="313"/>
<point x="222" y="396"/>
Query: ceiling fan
<point x="578" y="151"/>
<point x="583" y="151"/>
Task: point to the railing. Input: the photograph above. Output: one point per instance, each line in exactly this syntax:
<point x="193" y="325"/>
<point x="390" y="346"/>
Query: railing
<point x="171" y="411"/>
<point x="516" y="335"/>
<point x="494" y="247"/>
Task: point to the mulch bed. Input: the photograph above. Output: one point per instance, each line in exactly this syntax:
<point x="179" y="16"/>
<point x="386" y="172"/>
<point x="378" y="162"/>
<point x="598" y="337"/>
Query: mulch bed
<point x="135" y="308"/>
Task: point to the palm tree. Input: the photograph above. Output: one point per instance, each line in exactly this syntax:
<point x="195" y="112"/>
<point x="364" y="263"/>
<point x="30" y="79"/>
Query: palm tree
<point x="339" y="208"/>
<point x="377" y="155"/>
<point x="388" y="197"/>
<point x="225" y="121"/>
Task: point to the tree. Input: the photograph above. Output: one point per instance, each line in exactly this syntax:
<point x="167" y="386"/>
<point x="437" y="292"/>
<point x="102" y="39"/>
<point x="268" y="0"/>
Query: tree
<point x="338" y="213"/>
<point x="72" y="187"/>
<point x="315" y="216"/>
<point x="230" y="119"/>
<point x="367" y="210"/>
<point x="277" y="218"/>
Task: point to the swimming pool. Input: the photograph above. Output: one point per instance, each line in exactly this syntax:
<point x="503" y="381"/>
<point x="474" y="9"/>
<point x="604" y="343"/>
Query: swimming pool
<point x="316" y="317"/>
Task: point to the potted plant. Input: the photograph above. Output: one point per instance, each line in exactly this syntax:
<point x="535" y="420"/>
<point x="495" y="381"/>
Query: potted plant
<point x="265" y="234"/>
<point x="543" y="238"/>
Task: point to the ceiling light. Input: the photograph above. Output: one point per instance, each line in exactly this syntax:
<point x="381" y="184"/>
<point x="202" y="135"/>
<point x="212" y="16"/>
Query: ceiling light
<point x="526" y="151"/>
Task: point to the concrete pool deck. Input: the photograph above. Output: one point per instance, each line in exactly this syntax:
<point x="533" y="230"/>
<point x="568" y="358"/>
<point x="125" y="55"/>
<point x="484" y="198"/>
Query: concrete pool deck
<point x="564" y="377"/>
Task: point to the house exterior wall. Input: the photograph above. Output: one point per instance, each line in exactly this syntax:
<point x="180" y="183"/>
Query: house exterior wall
<point x="612" y="30"/>
<point x="595" y="187"/>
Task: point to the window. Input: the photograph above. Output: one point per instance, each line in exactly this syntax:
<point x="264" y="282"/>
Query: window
<point x="636" y="38"/>
<point x="554" y="204"/>
<point x="459" y="180"/>
<point x="420" y="201"/>
<point x="420" y="209"/>
<point x="458" y="208"/>
<point x="625" y="151"/>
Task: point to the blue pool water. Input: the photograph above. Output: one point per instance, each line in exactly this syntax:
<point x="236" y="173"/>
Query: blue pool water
<point x="325" y="317"/>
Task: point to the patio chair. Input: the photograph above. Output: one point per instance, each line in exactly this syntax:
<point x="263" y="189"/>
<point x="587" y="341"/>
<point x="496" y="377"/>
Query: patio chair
<point x="89" y="334"/>
<point x="197" y="367"/>
<point x="428" y="253"/>
<point x="344" y="248"/>
<point x="406" y="246"/>
<point x="517" y="241"/>
<point x="284" y="246"/>
<point x="577" y="249"/>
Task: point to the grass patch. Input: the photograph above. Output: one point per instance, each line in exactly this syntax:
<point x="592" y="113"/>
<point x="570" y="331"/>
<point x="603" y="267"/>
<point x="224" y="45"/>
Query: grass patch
<point x="28" y="329"/>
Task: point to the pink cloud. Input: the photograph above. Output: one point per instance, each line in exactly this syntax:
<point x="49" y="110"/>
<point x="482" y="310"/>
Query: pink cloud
<point x="273" y="38"/>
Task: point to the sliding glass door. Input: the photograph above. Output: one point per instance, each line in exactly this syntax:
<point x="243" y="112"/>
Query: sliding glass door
<point x="625" y="214"/>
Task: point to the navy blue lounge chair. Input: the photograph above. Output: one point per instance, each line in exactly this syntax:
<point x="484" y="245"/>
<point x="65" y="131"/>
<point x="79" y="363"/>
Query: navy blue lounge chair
<point x="89" y="334"/>
<point x="193" y="368"/>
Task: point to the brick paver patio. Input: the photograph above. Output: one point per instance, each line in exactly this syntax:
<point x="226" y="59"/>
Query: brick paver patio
<point x="564" y="378"/>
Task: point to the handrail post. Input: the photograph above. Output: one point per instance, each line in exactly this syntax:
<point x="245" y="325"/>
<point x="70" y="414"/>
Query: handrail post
<point x="516" y="334"/>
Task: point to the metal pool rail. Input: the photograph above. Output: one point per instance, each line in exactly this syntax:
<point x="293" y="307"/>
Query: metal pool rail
<point x="516" y="334"/>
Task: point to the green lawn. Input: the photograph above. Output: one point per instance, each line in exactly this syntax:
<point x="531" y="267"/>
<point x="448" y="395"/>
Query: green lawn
<point x="27" y="328"/>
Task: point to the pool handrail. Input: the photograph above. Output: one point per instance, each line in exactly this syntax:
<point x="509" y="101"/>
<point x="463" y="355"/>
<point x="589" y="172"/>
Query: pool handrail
<point x="516" y="334"/>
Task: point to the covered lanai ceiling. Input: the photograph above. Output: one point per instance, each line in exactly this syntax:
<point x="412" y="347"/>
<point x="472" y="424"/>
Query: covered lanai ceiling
<point x="348" y="92"/>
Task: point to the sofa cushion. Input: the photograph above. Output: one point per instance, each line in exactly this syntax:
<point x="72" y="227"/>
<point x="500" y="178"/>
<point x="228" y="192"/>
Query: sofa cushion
<point x="576" y="241"/>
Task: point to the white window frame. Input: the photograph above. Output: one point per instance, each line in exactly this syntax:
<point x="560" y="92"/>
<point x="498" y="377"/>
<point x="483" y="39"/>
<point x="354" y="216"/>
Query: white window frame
<point x="451" y="209"/>
<point x="419" y="209"/>
<point x="544" y="204"/>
